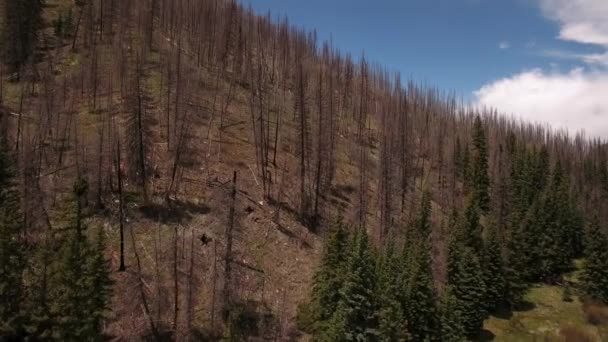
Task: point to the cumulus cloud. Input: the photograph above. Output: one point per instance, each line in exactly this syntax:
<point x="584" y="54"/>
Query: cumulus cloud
<point x="504" y="45"/>
<point x="576" y="99"/>
<point x="582" y="21"/>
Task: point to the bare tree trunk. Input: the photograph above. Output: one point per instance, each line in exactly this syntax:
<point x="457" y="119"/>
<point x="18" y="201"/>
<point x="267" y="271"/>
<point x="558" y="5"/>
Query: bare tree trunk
<point x="213" y="291"/>
<point x="226" y="295"/>
<point x="140" y="133"/>
<point x="120" y="207"/>
<point x="190" y="284"/>
<point x="175" y="281"/>
<point x="77" y="29"/>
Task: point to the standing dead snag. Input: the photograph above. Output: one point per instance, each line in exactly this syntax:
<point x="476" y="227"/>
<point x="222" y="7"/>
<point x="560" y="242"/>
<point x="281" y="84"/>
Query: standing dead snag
<point x="226" y="293"/>
<point x="363" y="140"/>
<point x="138" y="129"/>
<point x="120" y="208"/>
<point x="300" y="108"/>
<point x="175" y="280"/>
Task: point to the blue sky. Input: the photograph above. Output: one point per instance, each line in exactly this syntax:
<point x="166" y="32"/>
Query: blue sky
<point x="487" y="51"/>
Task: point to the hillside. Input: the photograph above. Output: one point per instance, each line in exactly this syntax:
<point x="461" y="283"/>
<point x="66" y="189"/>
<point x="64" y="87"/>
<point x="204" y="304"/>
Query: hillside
<point x="220" y="147"/>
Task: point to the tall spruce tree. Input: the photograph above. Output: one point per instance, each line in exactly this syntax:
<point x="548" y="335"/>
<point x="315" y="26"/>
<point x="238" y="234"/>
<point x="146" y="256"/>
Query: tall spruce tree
<point x="420" y="297"/>
<point x="493" y="270"/>
<point x="84" y="284"/>
<point x="465" y="275"/>
<point x="100" y="286"/>
<point x="594" y="277"/>
<point x="452" y="328"/>
<point x="469" y="230"/>
<point x="39" y="304"/>
<point x="392" y="325"/>
<point x="12" y="249"/>
<point x="355" y="318"/>
<point x="71" y="309"/>
<point x="421" y="311"/>
<point x="465" y="278"/>
<point x="329" y="278"/>
<point x="554" y="231"/>
<point x="528" y="176"/>
<point x="480" y="181"/>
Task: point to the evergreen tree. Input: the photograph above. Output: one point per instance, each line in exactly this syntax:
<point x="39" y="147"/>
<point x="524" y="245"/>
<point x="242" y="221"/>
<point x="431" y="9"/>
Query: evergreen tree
<point x="452" y="329"/>
<point x="515" y="283"/>
<point x="493" y="270"/>
<point x="553" y="230"/>
<point x="469" y="230"/>
<point x="12" y="249"/>
<point x="392" y="325"/>
<point x="74" y="282"/>
<point x="465" y="274"/>
<point x="40" y="292"/>
<point x="71" y="308"/>
<point x="329" y="278"/>
<point x="480" y="181"/>
<point x="23" y="19"/>
<point x="84" y="284"/>
<point x="420" y="298"/>
<point x="594" y="277"/>
<point x="100" y="287"/>
<point x="421" y="310"/>
<point x="525" y="221"/>
<point x="465" y="278"/>
<point x="355" y="318"/>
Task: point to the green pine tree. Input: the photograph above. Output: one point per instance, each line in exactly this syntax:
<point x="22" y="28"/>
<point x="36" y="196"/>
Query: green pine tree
<point x="465" y="277"/>
<point x="12" y="249"/>
<point x="480" y="181"/>
<point x="83" y="283"/>
<point x="493" y="270"/>
<point x="419" y="294"/>
<point x="355" y="317"/>
<point x="41" y="272"/>
<point x="469" y="231"/>
<point x="421" y="298"/>
<point x="100" y="287"/>
<point x="392" y="325"/>
<point x="594" y="277"/>
<point x="452" y="328"/>
<point x="555" y="232"/>
<point x="329" y="278"/>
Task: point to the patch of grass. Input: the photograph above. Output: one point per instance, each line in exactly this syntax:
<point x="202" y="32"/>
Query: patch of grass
<point x="546" y="320"/>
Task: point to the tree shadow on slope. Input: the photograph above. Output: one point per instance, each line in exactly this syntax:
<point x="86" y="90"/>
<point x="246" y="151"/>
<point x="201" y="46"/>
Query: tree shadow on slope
<point x="484" y="335"/>
<point x="175" y="211"/>
<point x="506" y="312"/>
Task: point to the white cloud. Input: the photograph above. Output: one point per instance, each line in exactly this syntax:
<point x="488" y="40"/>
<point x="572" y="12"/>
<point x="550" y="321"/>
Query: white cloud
<point x="504" y="45"/>
<point x="575" y="100"/>
<point x="582" y="21"/>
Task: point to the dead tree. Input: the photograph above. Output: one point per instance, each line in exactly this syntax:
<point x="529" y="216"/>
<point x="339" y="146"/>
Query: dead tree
<point x="302" y="116"/>
<point x="227" y="291"/>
